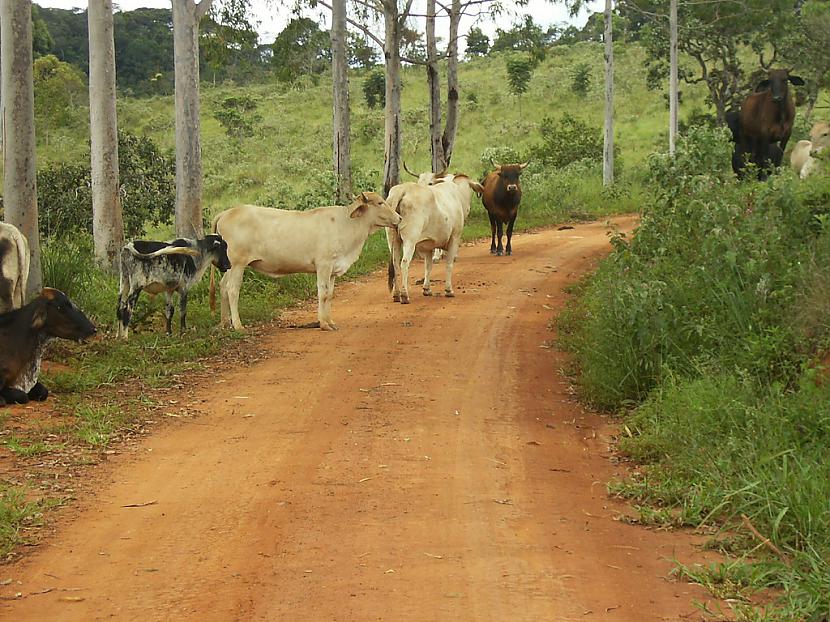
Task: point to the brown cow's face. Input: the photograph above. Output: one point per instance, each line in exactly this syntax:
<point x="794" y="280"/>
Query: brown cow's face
<point x="778" y="83"/>
<point x="509" y="175"/>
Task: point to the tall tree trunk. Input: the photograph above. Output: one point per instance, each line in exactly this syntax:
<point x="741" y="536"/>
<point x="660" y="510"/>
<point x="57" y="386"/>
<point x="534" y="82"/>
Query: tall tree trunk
<point x="608" y="146"/>
<point x="392" y="126"/>
<point x="186" y="17"/>
<point x="341" y="124"/>
<point x="107" y="219"/>
<point x="19" y="181"/>
<point x="434" y="85"/>
<point x="451" y="128"/>
<point x="673" y="95"/>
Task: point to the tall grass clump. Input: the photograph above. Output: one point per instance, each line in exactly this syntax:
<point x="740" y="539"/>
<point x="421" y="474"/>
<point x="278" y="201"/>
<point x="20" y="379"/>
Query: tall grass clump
<point x="710" y="323"/>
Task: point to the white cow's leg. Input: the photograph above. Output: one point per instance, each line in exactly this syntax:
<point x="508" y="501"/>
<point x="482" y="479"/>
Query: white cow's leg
<point x="452" y="252"/>
<point x="324" y="285"/>
<point x="328" y="303"/>
<point x="396" y="264"/>
<point x="231" y="283"/>
<point x="406" y="259"/>
<point x="427" y="271"/>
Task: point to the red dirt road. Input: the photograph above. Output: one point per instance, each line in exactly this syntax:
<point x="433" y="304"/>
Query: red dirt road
<point x="426" y="462"/>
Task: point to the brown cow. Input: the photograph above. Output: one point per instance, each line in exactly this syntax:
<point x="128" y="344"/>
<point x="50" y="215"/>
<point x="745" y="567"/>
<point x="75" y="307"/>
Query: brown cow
<point x="767" y="117"/>
<point x="501" y="197"/>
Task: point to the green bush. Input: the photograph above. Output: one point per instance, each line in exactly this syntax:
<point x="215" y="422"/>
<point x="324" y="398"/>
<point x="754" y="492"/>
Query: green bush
<point x="581" y="79"/>
<point x="147" y="184"/>
<point x="374" y="89"/>
<point x="237" y="116"/>
<point x="567" y="140"/>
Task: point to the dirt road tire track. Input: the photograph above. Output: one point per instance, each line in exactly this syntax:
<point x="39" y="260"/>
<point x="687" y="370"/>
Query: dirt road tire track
<point x="426" y="462"/>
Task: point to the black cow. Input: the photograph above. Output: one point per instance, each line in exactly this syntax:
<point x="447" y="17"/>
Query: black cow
<point x="23" y="334"/>
<point x="166" y="267"/>
<point x="501" y="197"/>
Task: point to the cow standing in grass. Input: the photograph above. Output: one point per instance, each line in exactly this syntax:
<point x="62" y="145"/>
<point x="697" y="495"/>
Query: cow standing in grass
<point x="167" y="267"/>
<point x="501" y="197"/>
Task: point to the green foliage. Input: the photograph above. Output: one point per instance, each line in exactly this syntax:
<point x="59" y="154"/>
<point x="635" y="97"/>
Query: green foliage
<point x="361" y="53"/>
<point x="566" y="140"/>
<point x="710" y="319"/>
<point x="478" y="44"/>
<point x="301" y="48"/>
<point x="61" y="94"/>
<point x="525" y="36"/>
<point x="42" y="41"/>
<point x="581" y="79"/>
<point x="144" y="50"/>
<point x="374" y="89"/>
<point x="17" y="513"/>
<point x="519" y="72"/>
<point x="147" y="182"/>
<point x="237" y="116"/>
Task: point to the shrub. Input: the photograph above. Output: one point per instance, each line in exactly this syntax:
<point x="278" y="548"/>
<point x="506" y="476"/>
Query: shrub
<point x="237" y="116"/>
<point x="567" y="140"/>
<point x="374" y="89"/>
<point x="581" y="79"/>
<point x="147" y="184"/>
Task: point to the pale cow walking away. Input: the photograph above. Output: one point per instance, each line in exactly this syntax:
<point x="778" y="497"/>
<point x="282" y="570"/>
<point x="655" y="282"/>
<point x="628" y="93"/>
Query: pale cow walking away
<point x="803" y="158"/>
<point x="14" y="268"/>
<point x="276" y="242"/>
<point x="432" y="217"/>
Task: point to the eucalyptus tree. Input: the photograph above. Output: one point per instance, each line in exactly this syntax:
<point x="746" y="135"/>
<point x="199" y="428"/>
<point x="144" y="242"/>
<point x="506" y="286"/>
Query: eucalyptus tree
<point x="18" y="131"/>
<point x="107" y="216"/>
<point x="341" y="118"/>
<point x="608" y="143"/>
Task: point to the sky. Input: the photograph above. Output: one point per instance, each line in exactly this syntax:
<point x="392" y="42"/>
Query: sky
<point x="272" y="16"/>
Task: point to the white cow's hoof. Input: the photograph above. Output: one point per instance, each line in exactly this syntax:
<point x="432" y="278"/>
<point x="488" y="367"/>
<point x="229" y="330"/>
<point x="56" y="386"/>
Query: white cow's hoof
<point x="396" y="297"/>
<point x="427" y="292"/>
<point x="404" y="300"/>
<point x="449" y="294"/>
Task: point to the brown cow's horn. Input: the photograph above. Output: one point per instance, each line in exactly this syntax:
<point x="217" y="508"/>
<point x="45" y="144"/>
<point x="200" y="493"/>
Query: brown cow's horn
<point x="406" y="168"/>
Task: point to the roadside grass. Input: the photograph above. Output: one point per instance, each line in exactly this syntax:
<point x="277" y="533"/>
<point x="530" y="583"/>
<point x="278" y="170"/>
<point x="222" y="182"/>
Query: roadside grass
<point x="707" y="330"/>
<point x="17" y="513"/>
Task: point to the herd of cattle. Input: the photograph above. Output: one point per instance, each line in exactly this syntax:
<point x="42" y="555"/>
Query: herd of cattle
<point x="420" y="218"/>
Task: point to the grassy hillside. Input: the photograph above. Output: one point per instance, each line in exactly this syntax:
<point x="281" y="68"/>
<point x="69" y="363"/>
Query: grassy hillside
<point x="290" y="153"/>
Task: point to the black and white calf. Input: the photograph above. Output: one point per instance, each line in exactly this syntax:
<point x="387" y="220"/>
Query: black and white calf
<point x="167" y="267"/>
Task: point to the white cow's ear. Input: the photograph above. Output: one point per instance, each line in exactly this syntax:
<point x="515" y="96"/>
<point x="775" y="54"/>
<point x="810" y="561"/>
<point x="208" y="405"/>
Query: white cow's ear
<point x="359" y="211"/>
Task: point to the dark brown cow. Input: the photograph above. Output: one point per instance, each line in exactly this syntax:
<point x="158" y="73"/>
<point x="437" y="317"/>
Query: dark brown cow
<point x="501" y="197"/>
<point x="766" y="117"/>
<point x="23" y="335"/>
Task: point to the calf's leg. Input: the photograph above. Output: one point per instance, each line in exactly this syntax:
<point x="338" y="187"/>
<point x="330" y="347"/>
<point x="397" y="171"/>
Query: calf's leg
<point x="182" y="310"/>
<point x="127" y="312"/>
<point x="168" y="313"/>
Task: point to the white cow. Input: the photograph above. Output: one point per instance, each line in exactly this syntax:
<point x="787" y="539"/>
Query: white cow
<point x="14" y="267"/>
<point x="326" y="240"/>
<point x="802" y="158"/>
<point x="432" y="217"/>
